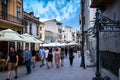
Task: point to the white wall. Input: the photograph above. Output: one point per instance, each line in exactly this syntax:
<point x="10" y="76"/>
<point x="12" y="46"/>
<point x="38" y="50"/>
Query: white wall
<point x="51" y="25"/>
<point x="68" y="32"/>
<point x="86" y="15"/>
<point x="34" y="29"/>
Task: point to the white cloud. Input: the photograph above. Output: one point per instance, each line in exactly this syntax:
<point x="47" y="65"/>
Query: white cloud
<point x="51" y="11"/>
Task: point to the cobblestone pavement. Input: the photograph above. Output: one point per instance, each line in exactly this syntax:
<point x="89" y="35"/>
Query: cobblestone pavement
<point x="66" y="72"/>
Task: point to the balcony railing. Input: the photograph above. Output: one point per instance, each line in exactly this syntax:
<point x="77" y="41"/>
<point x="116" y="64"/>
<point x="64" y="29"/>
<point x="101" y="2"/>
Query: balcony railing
<point x="10" y="18"/>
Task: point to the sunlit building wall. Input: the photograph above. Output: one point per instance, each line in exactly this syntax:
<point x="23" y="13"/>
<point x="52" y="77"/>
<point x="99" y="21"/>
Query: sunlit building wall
<point x="55" y="27"/>
<point x="42" y="32"/>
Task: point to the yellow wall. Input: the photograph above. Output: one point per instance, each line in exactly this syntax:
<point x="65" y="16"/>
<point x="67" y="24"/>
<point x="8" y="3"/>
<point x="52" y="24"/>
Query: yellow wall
<point x="42" y="32"/>
<point x="12" y="10"/>
<point x="12" y="6"/>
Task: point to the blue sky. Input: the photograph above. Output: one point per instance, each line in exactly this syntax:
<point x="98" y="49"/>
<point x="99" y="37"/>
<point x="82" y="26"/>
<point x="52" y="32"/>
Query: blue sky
<point x="65" y="11"/>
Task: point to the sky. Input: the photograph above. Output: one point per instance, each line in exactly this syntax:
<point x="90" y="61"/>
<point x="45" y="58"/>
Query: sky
<point x="65" y="11"/>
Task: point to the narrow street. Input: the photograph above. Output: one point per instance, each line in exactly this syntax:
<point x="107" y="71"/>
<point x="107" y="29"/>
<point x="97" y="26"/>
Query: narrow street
<point x="66" y="72"/>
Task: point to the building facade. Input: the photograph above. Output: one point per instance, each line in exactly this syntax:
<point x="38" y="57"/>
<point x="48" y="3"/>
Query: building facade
<point x="32" y="24"/>
<point x="11" y="16"/>
<point x="109" y="41"/>
<point x="55" y="27"/>
<point x="69" y="34"/>
<point x="50" y="36"/>
<point x="32" y="27"/>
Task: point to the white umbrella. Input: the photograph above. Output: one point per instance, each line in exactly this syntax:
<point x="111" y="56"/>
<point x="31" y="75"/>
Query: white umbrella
<point x="10" y="35"/>
<point x="62" y="44"/>
<point x="28" y="38"/>
<point x="37" y="41"/>
<point x="72" y="44"/>
<point x="45" y="45"/>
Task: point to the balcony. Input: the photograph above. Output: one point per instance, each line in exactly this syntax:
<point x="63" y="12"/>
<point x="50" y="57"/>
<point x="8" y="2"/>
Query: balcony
<point x="100" y="3"/>
<point x="10" y="19"/>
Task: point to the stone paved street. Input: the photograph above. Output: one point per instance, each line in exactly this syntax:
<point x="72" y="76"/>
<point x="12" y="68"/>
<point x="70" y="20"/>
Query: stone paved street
<point x="63" y="73"/>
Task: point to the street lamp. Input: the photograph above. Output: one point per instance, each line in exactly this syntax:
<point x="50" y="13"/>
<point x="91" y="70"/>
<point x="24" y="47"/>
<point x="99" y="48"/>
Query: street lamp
<point x="97" y="26"/>
<point x="103" y="24"/>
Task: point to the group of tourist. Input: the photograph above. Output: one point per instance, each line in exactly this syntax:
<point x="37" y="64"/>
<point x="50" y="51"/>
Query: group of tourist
<point x="45" y="55"/>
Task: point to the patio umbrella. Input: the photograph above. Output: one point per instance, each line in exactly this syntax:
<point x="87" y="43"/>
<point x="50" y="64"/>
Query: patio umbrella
<point x="30" y="39"/>
<point x="45" y="45"/>
<point x="10" y="35"/>
<point x="37" y="41"/>
<point x="72" y="44"/>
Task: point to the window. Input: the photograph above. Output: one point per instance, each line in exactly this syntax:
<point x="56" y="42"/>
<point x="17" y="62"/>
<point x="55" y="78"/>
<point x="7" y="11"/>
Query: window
<point x="30" y="29"/>
<point x="41" y="28"/>
<point x="4" y="8"/>
<point x="37" y="29"/>
<point x="40" y="36"/>
<point x="4" y="1"/>
<point x="18" y="11"/>
<point x="25" y="29"/>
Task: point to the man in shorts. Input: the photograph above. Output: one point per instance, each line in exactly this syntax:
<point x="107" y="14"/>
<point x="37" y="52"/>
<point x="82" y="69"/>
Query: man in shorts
<point x="12" y="62"/>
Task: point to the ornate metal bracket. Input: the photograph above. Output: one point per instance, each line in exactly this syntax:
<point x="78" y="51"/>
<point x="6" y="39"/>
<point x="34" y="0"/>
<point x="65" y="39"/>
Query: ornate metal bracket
<point x="108" y="25"/>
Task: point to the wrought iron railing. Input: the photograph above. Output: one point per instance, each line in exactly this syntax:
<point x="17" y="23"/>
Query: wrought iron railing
<point x="11" y="18"/>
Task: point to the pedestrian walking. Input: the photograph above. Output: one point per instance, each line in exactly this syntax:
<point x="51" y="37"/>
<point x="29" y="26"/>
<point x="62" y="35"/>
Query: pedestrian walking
<point x="62" y="53"/>
<point x="52" y="49"/>
<point x="12" y="62"/>
<point x="57" y="58"/>
<point x="27" y="54"/>
<point x="42" y="56"/>
<point x="71" y="56"/>
<point x="46" y="54"/>
<point x="66" y="51"/>
<point x="49" y="59"/>
<point x="33" y="59"/>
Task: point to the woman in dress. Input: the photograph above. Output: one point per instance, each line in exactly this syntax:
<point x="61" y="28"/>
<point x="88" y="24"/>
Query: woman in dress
<point x="49" y="58"/>
<point x="57" y="58"/>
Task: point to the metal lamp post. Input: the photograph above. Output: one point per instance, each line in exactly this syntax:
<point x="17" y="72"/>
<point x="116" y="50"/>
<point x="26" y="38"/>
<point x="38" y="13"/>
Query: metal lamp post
<point x="97" y="26"/>
<point x="103" y="24"/>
